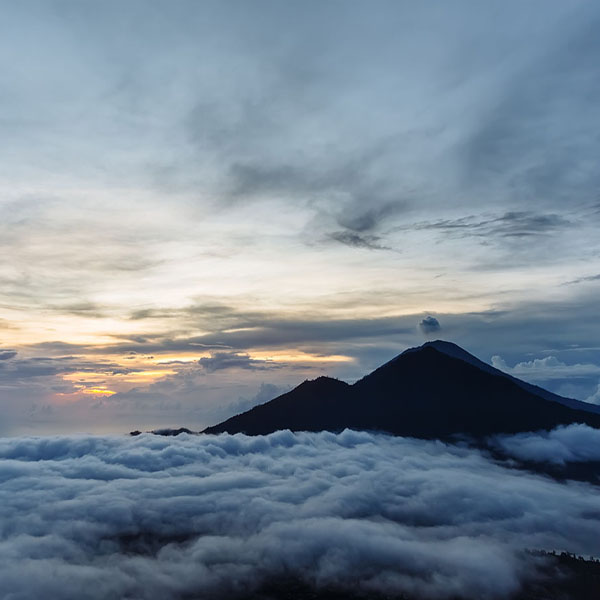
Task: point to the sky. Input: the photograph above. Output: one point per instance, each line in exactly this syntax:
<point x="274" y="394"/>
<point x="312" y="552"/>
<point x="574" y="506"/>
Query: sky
<point x="202" y="204"/>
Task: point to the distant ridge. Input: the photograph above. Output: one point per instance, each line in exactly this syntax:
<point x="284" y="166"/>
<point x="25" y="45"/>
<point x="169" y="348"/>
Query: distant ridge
<point x="434" y="391"/>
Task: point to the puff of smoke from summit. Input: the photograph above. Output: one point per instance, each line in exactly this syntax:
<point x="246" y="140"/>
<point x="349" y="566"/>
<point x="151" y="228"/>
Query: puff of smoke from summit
<point x="429" y="325"/>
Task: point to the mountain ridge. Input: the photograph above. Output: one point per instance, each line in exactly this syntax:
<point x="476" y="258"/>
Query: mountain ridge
<point x="436" y="390"/>
<point x="454" y="350"/>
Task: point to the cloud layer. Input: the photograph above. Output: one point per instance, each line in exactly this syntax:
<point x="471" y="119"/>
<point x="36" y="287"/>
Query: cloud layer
<point x="152" y="517"/>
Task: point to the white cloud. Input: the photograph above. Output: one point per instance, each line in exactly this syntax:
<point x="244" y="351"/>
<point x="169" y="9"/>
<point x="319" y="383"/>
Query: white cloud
<point x="572" y="443"/>
<point x="152" y="517"/>
<point x="595" y="397"/>
<point x="547" y="368"/>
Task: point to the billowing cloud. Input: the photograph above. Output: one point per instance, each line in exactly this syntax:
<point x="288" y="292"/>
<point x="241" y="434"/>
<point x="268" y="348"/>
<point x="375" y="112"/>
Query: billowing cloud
<point x="216" y="516"/>
<point x="594" y="398"/>
<point x="549" y="367"/>
<point x="266" y="392"/>
<point x="571" y="443"/>
<point x="571" y="379"/>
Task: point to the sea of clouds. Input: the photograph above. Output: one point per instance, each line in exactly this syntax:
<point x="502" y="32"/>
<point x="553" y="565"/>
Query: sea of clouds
<point x="154" y="517"/>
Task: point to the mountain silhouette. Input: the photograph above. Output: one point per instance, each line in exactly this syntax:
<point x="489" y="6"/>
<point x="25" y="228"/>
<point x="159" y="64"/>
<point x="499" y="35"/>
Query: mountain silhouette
<point x="434" y="391"/>
<point x="458" y="352"/>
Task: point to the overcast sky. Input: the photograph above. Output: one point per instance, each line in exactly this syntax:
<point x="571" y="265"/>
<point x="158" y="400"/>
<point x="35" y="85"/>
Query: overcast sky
<point x="204" y="203"/>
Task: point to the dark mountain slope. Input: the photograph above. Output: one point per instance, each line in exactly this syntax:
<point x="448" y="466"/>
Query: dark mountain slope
<point x="557" y="577"/>
<point x="431" y="394"/>
<point x="423" y="392"/>
<point x="457" y="352"/>
<point x="312" y="406"/>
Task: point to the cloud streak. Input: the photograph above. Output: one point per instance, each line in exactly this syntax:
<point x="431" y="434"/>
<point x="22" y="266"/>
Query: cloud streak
<point x="232" y="360"/>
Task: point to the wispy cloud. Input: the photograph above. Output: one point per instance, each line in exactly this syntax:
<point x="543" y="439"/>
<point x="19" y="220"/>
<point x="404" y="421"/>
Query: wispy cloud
<point x="228" y="360"/>
<point x="548" y="367"/>
<point x="584" y="279"/>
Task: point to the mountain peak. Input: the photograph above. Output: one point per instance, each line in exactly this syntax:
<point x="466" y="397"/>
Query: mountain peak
<point x="455" y="351"/>
<point x="442" y="346"/>
<point x="449" y="348"/>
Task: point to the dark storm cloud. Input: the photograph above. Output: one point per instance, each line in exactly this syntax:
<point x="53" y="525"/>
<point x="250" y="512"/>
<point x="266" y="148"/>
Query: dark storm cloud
<point x="153" y="517"/>
<point x="429" y="325"/>
<point x="7" y="354"/>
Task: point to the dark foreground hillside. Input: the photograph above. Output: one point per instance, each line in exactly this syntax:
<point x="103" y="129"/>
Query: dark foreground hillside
<point x="560" y="577"/>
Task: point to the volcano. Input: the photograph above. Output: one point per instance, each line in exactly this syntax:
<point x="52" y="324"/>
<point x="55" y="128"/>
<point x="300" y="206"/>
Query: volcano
<point x="437" y="390"/>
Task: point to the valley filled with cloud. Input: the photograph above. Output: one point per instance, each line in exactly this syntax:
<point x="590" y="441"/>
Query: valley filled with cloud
<point x="153" y="517"/>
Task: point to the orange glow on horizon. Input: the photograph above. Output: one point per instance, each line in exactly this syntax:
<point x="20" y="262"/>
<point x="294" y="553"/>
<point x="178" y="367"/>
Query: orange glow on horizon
<point x="98" y="392"/>
<point x="299" y="357"/>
